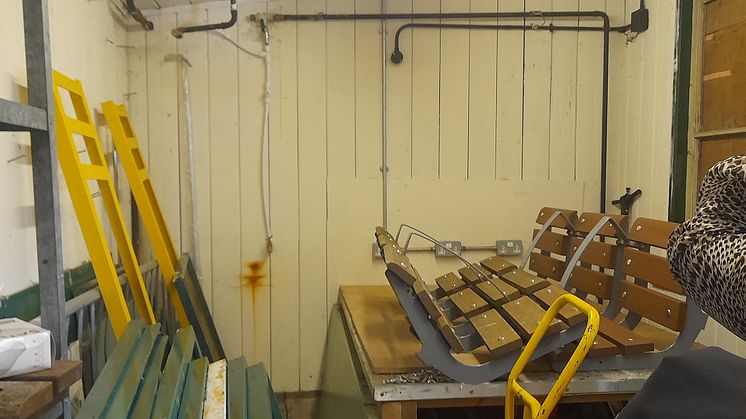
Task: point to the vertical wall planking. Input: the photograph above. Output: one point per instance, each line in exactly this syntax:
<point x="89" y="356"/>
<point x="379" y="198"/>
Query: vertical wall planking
<point x="537" y="83"/>
<point x="163" y="121"/>
<point x="224" y="191"/>
<point x="482" y="96"/>
<point x="563" y="111"/>
<point x="617" y="103"/>
<point x="634" y="74"/>
<point x="510" y="52"/>
<point x="368" y="92"/>
<point x="255" y="308"/>
<point x="454" y="96"/>
<point x="312" y="198"/>
<point x="424" y="57"/>
<point x="283" y="154"/>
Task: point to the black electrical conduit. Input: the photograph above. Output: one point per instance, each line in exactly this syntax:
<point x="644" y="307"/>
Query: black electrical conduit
<point x="138" y="16"/>
<point x="179" y="32"/>
<point x="397" y="55"/>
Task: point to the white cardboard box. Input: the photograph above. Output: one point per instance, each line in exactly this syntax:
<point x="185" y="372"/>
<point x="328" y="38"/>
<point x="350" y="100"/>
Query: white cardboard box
<point x="23" y="347"/>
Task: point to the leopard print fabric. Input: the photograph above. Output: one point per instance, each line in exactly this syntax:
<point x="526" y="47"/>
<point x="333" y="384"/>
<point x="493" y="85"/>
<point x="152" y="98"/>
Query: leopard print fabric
<point x="707" y="253"/>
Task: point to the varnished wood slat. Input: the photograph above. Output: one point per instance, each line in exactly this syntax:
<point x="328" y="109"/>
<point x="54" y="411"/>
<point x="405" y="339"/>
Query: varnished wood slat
<point x="602" y="347"/>
<point x="436" y="314"/>
<point x="651" y="268"/>
<point x="552" y="242"/>
<point x="593" y="282"/>
<point x="547" y="266"/>
<point x="62" y="375"/>
<point x="497" y="265"/>
<point x="383" y="237"/>
<point x="471" y="277"/>
<point x="597" y="253"/>
<point x="527" y="315"/>
<point x="468" y="301"/>
<point x="652" y="232"/>
<point x="569" y="313"/>
<point x="497" y="334"/>
<point x="497" y="291"/>
<point x="524" y="281"/>
<point x="560" y="222"/>
<point x="21" y="399"/>
<point x="660" y="308"/>
<point x="588" y="220"/>
<point x="399" y="263"/>
<point x="628" y="341"/>
<point x="450" y="283"/>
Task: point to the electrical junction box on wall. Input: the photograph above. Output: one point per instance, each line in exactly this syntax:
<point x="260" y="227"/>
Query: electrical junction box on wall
<point x="509" y="247"/>
<point x="452" y="245"/>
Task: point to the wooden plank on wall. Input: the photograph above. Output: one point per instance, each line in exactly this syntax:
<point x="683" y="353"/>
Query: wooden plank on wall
<point x="284" y="294"/>
<point x="482" y="97"/>
<point x="312" y="165"/>
<point x="341" y="108"/>
<point x="425" y="59"/>
<point x="399" y="95"/>
<point x="454" y="96"/>
<point x="194" y="48"/>
<point x="563" y="111"/>
<point x="255" y="302"/>
<point x="537" y="83"/>
<point x="163" y="124"/>
<point x="510" y="98"/>
<point x="368" y="96"/>
<point x="224" y="178"/>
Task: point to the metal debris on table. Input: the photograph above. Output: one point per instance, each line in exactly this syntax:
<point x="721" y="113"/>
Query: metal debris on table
<point x="427" y="376"/>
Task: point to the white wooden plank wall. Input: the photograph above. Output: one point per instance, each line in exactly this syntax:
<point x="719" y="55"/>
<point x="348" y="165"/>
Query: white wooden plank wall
<point x="483" y="129"/>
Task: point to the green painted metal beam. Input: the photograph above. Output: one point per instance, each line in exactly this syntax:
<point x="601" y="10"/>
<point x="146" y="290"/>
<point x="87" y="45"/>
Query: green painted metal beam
<point x="110" y="376"/>
<point x="143" y="403"/>
<point x="168" y="397"/>
<point x="236" y="393"/>
<point x="260" y="400"/>
<point x="123" y="395"/>
<point x="193" y="397"/>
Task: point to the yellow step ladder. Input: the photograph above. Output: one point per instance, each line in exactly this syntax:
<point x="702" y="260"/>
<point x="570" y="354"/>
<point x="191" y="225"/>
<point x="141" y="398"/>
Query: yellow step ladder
<point x="77" y="174"/>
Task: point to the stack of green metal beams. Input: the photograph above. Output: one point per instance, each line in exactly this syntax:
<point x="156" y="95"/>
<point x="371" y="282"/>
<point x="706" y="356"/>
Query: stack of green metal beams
<point x="144" y="378"/>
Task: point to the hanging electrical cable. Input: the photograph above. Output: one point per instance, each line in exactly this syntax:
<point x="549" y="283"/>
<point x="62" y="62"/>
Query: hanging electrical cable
<point x="265" y="138"/>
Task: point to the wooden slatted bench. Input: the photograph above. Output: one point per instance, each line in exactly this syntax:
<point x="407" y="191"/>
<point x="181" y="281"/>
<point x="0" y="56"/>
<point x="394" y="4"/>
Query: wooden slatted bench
<point x="144" y="378"/>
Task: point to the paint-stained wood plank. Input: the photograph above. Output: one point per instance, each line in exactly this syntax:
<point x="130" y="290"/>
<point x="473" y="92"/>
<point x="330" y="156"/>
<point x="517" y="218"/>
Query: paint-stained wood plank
<point x="255" y="282"/>
<point x="425" y="59"/>
<point x="225" y="210"/>
<point x="312" y="161"/>
<point x="284" y="204"/>
<point x="340" y="91"/>
<point x="510" y="98"/>
<point x="482" y="96"/>
<point x="454" y="96"/>
<point x="399" y="95"/>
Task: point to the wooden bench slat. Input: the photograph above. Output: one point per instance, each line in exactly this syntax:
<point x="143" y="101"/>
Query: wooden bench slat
<point x="471" y="277"/>
<point x="527" y="315"/>
<point x="399" y="263"/>
<point x="437" y="315"/>
<point x="236" y="389"/>
<point x="569" y="313"/>
<point x="551" y="242"/>
<point x="143" y="403"/>
<point x="21" y="399"/>
<point x="597" y="253"/>
<point x="660" y="308"/>
<point x="559" y="222"/>
<point x="593" y="282"/>
<point x="588" y="220"/>
<point x="193" y="396"/>
<point x="497" y="265"/>
<point x="468" y="301"/>
<point x="628" y="341"/>
<point x="498" y="291"/>
<point x="652" y="232"/>
<point x="168" y="396"/>
<point x="260" y="392"/>
<point x="450" y="283"/>
<point x="62" y="375"/>
<point x="651" y="268"/>
<point x="524" y="281"/>
<point x="215" y="406"/>
<point x="497" y="334"/>
<point x="547" y="266"/>
<point x="603" y="347"/>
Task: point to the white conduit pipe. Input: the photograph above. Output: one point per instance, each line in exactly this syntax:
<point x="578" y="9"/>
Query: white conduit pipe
<point x="192" y="166"/>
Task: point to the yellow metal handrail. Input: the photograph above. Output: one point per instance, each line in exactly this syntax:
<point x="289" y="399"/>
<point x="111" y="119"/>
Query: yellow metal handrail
<point x="532" y="408"/>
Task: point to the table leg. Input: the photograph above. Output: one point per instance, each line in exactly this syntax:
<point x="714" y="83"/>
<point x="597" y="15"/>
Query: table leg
<point x="399" y="410"/>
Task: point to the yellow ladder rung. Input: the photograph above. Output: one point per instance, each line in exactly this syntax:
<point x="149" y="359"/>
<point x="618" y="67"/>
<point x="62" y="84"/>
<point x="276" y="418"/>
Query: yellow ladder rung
<point x="132" y="143"/>
<point x="79" y="127"/>
<point x="142" y="175"/>
<point x="91" y="171"/>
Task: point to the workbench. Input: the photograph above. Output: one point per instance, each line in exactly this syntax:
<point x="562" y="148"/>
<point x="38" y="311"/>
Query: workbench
<point x="382" y="348"/>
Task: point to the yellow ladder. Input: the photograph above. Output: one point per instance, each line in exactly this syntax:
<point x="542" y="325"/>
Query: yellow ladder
<point x="532" y="409"/>
<point x="77" y="174"/>
<point x="142" y="189"/>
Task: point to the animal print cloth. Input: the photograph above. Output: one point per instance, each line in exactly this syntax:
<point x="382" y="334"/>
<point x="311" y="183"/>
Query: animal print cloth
<point x="707" y="253"/>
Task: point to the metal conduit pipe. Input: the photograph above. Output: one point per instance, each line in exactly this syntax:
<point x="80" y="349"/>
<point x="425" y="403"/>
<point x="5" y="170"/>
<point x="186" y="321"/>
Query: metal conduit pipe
<point x="414" y="16"/>
<point x="138" y="16"/>
<point x="179" y="32"/>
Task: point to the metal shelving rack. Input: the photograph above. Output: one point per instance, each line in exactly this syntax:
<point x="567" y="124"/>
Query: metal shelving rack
<point x="38" y="119"/>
